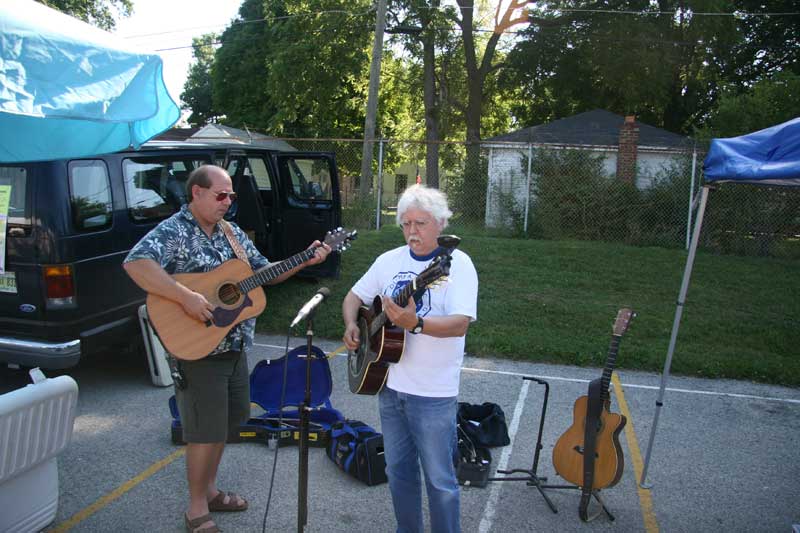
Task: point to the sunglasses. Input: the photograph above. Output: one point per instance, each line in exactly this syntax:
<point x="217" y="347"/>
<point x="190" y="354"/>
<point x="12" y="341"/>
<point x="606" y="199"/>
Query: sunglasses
<point x="220" y="196"/>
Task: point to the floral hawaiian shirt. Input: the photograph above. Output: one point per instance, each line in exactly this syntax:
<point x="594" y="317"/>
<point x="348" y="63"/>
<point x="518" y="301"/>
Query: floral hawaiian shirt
<point x="179" y="245"/>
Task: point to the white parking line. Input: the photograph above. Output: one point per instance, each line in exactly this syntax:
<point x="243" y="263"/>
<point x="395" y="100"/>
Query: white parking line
<point x="627" y="385"/>
<point x="491" y="502"/>
<point x="648" y="387"/>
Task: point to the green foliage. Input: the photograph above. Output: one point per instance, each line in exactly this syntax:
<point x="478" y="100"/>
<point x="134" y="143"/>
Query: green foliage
<point x="100" y="13"/>
<point x="769" y="102"/>
<point x="753" y="220"/>
<point x="574" y="198"/>
<point x="738" y="322"/>
<point x="666" y="64"/>
<point x="197" y="91"/>
<point x="301" y="72"/>
<point x="240" y="72"/>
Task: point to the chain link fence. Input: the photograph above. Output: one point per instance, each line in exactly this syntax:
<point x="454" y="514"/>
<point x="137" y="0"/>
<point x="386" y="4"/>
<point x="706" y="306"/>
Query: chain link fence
<point x="567" y="192"/>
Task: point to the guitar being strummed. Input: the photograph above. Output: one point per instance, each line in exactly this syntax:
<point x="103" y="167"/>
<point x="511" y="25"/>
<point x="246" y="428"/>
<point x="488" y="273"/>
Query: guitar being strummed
<point x="398" y="306"/>
<point x="202" y="301"/>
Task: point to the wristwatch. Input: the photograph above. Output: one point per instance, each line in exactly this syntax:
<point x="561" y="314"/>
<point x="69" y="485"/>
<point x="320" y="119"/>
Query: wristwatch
<point x="418" y="328"/>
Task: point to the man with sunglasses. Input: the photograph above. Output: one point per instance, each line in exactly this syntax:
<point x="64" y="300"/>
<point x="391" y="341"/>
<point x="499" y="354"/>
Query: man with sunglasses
<point x="215" y="396"/>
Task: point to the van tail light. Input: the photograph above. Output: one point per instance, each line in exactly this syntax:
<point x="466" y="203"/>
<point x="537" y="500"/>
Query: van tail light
<point x="59" y="285"/>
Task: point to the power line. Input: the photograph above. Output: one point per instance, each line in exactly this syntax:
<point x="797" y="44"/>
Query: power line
<point x="739" y="14"/>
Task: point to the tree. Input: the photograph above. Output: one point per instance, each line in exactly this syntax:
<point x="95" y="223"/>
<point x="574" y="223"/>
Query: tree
<point x="477" y="72"/>
<point x="240" y="73"/>
<point x="666" y="62"/>
<point x="770" y="101"/>
<point x="96" y="12"/>
<point x="300" y="72"/>
<point x="197" y="91"/>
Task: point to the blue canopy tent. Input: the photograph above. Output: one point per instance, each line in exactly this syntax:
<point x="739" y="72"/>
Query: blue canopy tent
<point x="68" y="89"/>
<point x="767" y="157"/>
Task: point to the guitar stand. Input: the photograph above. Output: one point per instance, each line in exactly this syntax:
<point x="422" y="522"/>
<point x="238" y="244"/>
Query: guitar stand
<point x="533" y="479"/>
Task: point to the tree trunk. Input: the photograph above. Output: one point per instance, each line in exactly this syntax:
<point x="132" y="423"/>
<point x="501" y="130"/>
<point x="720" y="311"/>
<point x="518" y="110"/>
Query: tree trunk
<point x="431" y="108"/>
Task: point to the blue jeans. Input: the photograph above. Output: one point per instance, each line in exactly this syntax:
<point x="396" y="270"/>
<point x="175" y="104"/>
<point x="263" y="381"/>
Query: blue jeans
<point x="419" y="429"/>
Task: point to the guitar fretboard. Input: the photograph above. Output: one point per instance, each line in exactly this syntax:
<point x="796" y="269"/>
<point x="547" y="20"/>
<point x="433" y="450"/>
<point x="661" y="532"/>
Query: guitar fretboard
<point x="264" y="275"/>
<point x="611" y="362"/>
<point x="401" y="299"/>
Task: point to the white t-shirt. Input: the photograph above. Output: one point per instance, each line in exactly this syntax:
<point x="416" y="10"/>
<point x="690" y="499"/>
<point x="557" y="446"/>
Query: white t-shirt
<point x="429" y="366"/>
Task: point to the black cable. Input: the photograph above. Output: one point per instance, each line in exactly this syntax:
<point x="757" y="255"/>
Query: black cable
<point x="280" y="426"/>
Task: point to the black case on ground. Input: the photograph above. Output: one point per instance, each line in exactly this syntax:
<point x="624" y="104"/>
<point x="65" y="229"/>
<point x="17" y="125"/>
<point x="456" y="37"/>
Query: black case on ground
<point x="266" y="380"/>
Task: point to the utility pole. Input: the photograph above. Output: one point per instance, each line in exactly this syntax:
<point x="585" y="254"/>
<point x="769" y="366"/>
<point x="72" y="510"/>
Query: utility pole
<point x="372" y="101"/>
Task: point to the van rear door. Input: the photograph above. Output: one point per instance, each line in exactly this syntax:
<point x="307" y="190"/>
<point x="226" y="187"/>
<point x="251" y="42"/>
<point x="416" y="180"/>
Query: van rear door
<point x="20" y="294"/>
<point x="311" y="205"/>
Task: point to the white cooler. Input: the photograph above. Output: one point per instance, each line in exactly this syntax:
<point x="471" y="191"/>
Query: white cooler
<point x="35" y="425"/>
<point x="156" y="355"/>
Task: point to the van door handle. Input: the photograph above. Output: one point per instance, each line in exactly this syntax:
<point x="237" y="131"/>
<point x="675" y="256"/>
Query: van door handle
<point x="318" y="218"/>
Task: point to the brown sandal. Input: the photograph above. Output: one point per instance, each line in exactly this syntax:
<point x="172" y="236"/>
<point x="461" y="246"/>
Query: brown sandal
<point x="193" y="526"/>
<point x="217" y="504"/>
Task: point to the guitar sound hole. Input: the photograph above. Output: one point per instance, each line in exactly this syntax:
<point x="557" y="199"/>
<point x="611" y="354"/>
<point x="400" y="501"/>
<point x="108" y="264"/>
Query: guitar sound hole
<point x="229" y="294"/>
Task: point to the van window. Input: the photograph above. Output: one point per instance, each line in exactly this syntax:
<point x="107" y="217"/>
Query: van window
<point x="310" y="178"/>
<point x="252" y="166"/>
<point x="17" y="177"/>
<point x="90" y="195"/>
<point x="156" y="187"/>
<point x="258" y="168"/>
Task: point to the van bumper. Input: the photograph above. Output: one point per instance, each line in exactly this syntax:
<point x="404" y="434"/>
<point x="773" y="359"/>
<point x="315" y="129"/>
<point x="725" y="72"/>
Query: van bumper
<point x="54" y="355"/>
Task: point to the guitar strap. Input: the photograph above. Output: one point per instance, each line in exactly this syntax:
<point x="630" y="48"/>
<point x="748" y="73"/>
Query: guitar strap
<point x="234" y="242"/>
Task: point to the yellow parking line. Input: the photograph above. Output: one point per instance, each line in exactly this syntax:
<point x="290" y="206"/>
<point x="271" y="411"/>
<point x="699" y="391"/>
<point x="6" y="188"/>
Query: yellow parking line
<point x="645" y="497"/>
<point x="80" y="516"/>
<point x="337" y="351"/>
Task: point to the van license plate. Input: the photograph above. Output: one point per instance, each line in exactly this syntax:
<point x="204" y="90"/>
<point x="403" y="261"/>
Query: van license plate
<point x="8" y="282"/>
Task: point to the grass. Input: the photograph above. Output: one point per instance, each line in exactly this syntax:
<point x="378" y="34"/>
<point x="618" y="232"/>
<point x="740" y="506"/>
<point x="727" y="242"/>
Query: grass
<point x="555" y="301"/>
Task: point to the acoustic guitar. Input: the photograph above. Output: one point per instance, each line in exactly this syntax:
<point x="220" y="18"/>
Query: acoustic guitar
<point x="588" y="454"/>
<point x="381" y="343"/>
<point x="235" y="292"/>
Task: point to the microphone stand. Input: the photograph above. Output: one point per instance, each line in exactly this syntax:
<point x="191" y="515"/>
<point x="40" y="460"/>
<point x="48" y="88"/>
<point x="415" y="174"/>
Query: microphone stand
<point x="305" y="407"/>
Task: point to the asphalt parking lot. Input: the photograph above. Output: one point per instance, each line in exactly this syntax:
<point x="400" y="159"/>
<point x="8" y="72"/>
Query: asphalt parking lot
<point x="725" y="457"/>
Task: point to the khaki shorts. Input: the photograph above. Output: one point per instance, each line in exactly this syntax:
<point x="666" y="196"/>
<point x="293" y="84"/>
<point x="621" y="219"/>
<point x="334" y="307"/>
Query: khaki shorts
<point x="216" y="399"/>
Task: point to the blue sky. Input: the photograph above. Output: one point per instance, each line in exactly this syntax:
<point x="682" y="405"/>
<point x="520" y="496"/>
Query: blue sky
<point x="171" y="24"/>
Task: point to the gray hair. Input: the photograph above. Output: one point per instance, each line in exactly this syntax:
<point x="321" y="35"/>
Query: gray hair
<point x="427" y="199"/>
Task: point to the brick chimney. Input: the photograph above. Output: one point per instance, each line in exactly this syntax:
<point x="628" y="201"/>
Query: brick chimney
<point x="626" y="155"/>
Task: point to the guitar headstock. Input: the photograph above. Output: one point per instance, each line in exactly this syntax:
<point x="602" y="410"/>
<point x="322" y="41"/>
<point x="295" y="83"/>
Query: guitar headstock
<point x="624" y="317"/>
<point x="434" y="273"/>
<point x="339" y="239"/>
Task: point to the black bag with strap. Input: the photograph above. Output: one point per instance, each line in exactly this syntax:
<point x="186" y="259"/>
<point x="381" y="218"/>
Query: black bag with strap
<point x="357" y="449"/>
<point x="484" y="424"/>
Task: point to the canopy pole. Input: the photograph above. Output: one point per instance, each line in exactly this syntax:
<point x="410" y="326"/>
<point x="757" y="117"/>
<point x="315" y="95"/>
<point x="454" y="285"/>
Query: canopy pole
<point x="687" y="274"/>
<point x="691" y="198"/>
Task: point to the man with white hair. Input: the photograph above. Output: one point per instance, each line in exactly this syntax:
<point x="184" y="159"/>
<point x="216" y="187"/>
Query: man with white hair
<point x="419" y="400"/>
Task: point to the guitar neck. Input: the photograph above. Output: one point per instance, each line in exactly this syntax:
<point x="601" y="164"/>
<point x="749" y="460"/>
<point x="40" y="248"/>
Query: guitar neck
<point x="401" y="299"/>
<point x="611" y="362"/>
<point x="264" y="275"/>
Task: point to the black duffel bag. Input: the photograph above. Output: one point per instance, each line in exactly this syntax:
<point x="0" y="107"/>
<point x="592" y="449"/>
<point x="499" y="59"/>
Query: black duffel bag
<point x="484" y="424"/>
<point x="357" y="449"/>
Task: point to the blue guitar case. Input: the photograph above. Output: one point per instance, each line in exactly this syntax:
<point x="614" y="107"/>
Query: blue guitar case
<point x="277" y="422"/>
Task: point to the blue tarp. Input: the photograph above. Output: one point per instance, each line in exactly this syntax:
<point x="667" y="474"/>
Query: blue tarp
<point x="68" y="89"/>
<point x="769" y="157"/>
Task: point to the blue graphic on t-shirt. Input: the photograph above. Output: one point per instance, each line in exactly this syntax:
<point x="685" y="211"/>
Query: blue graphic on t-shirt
<point x="400" y="280"/>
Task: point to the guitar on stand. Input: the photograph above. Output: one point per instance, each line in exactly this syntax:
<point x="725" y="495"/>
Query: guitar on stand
<point x="381" y="343"/>
<point x="589" y="454"/>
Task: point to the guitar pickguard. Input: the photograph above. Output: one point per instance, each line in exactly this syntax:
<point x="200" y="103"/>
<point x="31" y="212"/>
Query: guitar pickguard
<point x="223" y="317"/>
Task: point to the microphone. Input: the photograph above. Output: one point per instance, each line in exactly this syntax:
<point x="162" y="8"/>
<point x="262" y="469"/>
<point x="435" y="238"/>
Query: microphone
<point x="310" y="305"/>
